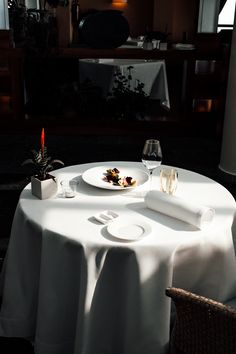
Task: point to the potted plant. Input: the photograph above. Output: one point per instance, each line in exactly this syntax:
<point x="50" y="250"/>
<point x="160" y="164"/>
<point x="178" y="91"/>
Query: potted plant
<point x="128" y="103"/>
<point x="43" y="184"/>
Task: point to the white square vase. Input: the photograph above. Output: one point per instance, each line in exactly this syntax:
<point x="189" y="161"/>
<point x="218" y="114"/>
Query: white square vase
<point x="43" y="189"/>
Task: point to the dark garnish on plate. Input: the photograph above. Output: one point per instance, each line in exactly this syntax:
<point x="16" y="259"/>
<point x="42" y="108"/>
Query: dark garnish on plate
<point x="112" y="176"/>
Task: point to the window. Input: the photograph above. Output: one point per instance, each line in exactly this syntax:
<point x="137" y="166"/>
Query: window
<point x="4" y="20"/>
<point x="226" y="16"/>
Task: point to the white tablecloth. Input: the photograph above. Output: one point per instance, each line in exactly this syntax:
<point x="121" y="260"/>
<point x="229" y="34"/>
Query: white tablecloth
<point x="74" y="289"/>
<point x="151" y="73"/>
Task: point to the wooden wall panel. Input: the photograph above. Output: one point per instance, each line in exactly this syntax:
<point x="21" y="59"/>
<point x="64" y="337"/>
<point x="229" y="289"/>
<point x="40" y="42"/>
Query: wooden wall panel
<point x="163" y="15"/>
<point x="139" y="13"/>
<point x="185" y="19"/>
<point x="176" y="16"/>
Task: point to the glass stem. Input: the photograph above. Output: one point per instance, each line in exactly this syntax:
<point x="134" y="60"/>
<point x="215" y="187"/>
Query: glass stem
<point x="150" y="183"/>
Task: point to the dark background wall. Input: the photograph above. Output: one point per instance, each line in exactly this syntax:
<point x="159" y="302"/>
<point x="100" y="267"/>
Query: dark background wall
<point x="177" y="16"/>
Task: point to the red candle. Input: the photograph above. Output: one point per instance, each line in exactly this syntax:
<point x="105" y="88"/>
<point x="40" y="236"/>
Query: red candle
<point x="42" y="141"/>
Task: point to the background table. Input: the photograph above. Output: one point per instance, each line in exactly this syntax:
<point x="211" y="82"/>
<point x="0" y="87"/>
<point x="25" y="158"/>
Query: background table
<point x="75" y="289"/>
<point x="151" y="73"/>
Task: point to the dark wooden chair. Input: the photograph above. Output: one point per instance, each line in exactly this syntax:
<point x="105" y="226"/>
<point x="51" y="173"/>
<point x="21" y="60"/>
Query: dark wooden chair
<point x="202" y="325"/>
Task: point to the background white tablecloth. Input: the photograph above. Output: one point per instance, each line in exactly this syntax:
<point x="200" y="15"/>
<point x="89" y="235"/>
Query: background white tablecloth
<point x="75" y="289"/>
<point x="151" y="73"/>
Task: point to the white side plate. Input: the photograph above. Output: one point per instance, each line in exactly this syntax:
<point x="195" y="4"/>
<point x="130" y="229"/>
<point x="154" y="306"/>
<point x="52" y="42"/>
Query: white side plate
<point x="128" y="229"/>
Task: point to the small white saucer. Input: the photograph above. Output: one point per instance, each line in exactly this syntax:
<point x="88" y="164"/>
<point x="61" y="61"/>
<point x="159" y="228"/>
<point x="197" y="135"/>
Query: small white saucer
<point x="128" y="229"/>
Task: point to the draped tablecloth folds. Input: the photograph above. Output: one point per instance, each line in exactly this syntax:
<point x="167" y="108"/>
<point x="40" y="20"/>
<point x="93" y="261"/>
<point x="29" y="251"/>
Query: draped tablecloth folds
<point x="185" y="210"/>
<point x="151" y="73"/>
<point x="74" y="288"/>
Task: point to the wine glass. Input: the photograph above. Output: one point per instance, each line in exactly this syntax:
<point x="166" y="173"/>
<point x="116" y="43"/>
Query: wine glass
<point x="151" y="156"/>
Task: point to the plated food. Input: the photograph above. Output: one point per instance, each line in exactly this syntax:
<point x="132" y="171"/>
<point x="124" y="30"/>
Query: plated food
<point x="120" y="177"/>
<point x="112" y="175"/>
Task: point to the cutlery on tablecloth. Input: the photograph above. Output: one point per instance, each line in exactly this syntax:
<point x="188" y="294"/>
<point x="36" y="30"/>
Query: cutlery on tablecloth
<point x="106" y="216"/>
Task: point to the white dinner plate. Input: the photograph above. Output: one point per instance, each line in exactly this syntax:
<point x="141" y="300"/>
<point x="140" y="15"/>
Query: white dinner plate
<point x="128" y="229"/>
<point x="95" y="176"/>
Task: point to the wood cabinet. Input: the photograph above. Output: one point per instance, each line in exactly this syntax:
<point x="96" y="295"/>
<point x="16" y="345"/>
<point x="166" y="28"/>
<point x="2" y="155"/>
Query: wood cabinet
<point x="206" y="83"/>
<point x="197" y="79"/>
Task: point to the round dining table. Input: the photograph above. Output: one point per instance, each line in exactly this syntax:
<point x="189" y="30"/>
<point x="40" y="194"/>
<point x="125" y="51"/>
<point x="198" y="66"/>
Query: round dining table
<point x="73" y="287"/>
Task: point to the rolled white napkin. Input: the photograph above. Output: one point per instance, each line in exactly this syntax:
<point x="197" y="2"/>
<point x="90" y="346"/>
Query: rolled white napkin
<point x="191" y="213"/>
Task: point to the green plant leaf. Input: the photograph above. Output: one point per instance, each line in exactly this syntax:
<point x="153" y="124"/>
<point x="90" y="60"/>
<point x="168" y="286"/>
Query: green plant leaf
<point x="57" y="161"/>
<point x="28" y="161"/>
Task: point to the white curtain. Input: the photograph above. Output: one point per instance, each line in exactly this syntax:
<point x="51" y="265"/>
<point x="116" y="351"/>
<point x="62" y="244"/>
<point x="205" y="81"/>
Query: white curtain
<point x="228" y="149"/>
<point x="208" y="15"/>
<point x="4" y="18"/>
